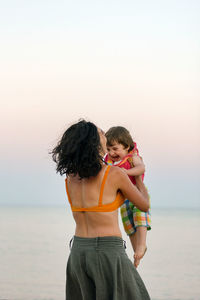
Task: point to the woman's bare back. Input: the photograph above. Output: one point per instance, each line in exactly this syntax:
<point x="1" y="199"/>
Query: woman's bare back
<point x="85" y="193"/>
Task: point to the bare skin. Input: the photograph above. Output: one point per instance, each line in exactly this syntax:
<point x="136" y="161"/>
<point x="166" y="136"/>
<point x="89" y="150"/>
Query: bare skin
<point x="138" y="242"/>
<point x="85" y="193"/>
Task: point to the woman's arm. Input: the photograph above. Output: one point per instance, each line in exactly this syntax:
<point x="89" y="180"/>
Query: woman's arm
<point x="137" y="195"/>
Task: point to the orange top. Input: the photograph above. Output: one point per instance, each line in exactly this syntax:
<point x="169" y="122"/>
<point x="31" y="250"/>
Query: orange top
<point x="119" y="200"/>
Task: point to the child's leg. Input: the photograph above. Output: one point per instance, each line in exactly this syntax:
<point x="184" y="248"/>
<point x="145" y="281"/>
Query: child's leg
<point x="140" y="245"/>
<point x="133" y="240"/>
<point x="142" y="223"/>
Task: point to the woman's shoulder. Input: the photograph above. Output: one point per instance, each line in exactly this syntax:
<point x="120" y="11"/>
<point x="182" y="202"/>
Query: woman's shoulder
<point x="118" y="178"/>
<point x="116" y="172"/>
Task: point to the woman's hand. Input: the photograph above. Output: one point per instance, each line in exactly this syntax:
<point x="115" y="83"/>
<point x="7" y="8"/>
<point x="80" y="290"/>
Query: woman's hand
<point x="126" y="171"/>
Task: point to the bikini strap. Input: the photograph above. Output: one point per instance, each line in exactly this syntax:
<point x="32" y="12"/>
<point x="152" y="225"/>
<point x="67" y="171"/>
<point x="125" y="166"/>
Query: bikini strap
<point x="103" y="184"/>
<point x="68" y="196"/>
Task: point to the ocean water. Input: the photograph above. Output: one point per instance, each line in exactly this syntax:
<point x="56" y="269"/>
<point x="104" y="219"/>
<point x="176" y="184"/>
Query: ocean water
<point x="34" y="250"/>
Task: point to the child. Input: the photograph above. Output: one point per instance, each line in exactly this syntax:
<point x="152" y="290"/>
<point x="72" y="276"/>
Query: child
<point x="123" y="152"/>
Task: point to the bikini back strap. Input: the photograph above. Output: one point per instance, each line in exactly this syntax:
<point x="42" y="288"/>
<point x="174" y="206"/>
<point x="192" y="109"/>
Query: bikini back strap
<point x="103" y="184"/>
<point x="68" y="191"/>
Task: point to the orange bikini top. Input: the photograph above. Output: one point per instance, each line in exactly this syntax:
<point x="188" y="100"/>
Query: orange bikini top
<point x="119" y="200"/>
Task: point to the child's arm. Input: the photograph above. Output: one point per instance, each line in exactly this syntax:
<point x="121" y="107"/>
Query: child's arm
<point x="139" y="167"/>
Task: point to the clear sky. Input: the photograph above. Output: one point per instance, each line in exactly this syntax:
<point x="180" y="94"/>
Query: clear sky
<point x="129" y="63"/>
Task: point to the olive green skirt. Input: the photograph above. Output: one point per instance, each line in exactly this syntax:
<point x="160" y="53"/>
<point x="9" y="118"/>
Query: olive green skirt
<point x="99" y="269"/>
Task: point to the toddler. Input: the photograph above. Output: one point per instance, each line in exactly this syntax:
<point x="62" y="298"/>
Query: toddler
<point x="123" y="152"/>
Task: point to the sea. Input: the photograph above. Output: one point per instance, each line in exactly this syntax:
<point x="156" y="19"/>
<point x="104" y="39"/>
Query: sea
<point x="34" y="247"/>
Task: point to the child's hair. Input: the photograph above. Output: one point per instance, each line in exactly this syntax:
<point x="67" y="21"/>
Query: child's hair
<point x="78" y="151"/>
<point x="120" y="135"/>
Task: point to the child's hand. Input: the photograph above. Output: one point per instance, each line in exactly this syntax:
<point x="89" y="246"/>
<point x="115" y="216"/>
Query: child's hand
<point x="124" y="170"/>
<point x="129" y="171"/>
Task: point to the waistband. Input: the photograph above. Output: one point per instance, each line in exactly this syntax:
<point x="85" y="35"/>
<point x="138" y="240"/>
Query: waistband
<point x="98" y="242"/>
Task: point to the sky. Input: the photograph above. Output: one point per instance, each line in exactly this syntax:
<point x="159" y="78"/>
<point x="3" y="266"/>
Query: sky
<point x="129" y="63"/>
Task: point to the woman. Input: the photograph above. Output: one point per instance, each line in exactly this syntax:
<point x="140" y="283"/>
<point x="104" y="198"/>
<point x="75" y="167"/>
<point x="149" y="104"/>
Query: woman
<point x="98" y="267"/>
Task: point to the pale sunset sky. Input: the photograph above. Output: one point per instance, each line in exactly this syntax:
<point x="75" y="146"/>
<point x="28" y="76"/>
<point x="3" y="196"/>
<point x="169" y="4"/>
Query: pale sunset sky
<point x="129" y="63"/>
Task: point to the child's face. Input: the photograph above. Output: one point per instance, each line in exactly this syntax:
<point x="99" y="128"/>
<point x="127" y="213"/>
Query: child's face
<point x="117" y="151"/>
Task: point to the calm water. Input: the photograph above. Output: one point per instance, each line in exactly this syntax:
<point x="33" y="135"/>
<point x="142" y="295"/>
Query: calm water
<point x="34" y="250"/>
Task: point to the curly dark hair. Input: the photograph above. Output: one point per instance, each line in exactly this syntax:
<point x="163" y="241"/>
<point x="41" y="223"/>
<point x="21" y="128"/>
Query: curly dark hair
<point x="78" y="151"/>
